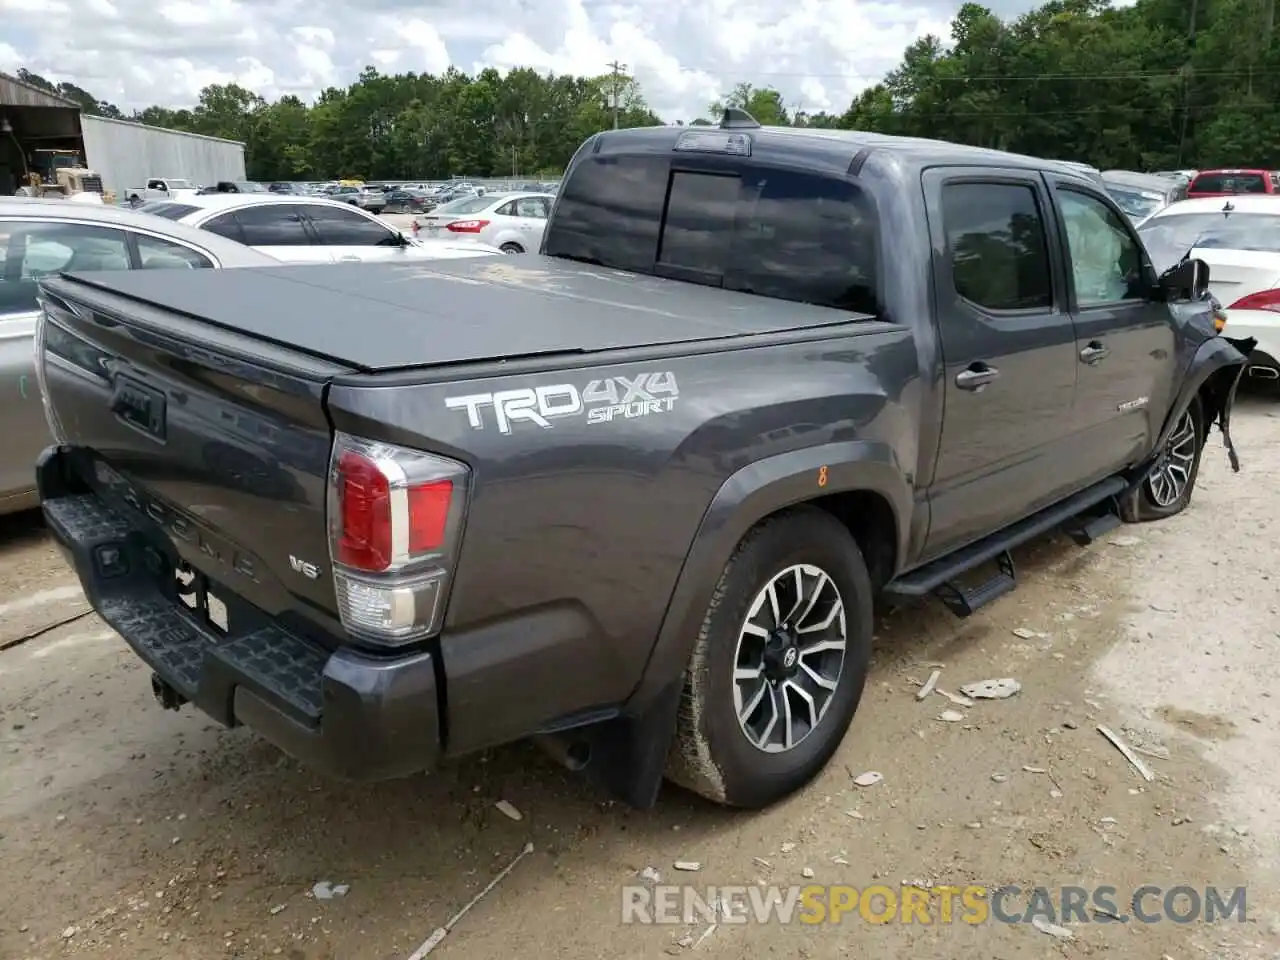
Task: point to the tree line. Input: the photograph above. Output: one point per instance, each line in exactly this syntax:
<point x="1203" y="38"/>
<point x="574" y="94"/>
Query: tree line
<point x="1158" y="85"/>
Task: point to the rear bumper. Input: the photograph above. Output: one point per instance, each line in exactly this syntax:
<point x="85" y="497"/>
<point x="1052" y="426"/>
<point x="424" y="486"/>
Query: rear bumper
<point x="350" y="715"/>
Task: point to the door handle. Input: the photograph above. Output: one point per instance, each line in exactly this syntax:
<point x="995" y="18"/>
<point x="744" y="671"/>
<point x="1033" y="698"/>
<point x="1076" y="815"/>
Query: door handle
<point x="1094" y="352"/>
<point x="977" y="376"/>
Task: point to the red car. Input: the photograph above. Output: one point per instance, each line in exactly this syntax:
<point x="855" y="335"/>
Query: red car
<point x="1226" y="183"/>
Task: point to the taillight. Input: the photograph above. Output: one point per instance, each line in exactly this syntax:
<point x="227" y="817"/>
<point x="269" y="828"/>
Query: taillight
<point x="467" y="226"/>
<point x="395" y="517"/>
<point x="1262" y="300"/>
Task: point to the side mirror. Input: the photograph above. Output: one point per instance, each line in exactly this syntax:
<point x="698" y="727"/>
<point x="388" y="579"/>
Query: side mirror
<point x="1186" y="280"/>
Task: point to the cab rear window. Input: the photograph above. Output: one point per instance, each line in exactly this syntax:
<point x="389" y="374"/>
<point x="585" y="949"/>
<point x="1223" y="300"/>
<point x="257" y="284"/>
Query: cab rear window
<point x="1229" y="183"/>
<point x="778" y="233"/>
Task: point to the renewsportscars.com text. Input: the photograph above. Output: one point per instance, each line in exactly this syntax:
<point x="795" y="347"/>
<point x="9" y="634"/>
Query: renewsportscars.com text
<point x="942" y="904"/>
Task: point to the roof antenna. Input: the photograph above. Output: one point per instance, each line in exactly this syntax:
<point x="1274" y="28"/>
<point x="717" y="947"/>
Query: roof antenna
<point x="735" y="118"/>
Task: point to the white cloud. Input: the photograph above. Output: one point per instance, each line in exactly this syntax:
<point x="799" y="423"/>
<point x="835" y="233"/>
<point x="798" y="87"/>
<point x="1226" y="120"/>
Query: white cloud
<point x="818" y="53"/>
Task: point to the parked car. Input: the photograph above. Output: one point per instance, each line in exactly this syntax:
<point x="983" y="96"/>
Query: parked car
<point x="513" y="222"/>
<point x="1239" y="238"/>
<point x="1090" y="171"/>
<point x="1227" y="183"/>
<point x="309" y="229"/>
<point x="641" y="497"/>
<point x="409" y="200"/>
<point x="41" y="238"/>
<point x="1142" y="194"/>
<point x="232" y="186"/>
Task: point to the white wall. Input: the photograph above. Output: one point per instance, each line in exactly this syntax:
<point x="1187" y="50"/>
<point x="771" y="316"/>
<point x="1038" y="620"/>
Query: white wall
<point x="128" y="154"/>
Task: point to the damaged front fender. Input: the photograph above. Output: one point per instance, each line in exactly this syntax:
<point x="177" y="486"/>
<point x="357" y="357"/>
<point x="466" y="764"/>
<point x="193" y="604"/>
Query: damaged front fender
<point x="1214" y="376"/>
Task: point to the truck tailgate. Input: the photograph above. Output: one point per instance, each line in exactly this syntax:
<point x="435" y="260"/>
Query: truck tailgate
<point x="220" y="442"/>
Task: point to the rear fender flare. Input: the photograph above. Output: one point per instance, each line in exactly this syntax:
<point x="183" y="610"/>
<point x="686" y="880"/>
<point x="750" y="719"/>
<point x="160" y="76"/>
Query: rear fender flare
<point x="748" y="496"/>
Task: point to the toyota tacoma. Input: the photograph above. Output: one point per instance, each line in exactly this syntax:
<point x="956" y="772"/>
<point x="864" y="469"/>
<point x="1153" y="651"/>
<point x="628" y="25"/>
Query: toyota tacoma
<point x="636" y="496"/>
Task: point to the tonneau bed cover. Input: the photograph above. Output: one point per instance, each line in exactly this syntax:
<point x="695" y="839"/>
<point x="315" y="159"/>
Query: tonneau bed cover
<point x="378" y="317"/>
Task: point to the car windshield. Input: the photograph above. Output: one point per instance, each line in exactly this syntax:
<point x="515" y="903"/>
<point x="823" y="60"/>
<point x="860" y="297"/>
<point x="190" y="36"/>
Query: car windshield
<point x="1168" y="238"/>
<point x="167" y="209"/>
<point x="466" y="205"/>
<point x="1134" y="202"/>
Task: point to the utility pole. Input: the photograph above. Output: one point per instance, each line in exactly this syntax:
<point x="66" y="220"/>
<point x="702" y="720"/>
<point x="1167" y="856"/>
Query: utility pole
<point x="1186" y="79"/>
<point x="617" y="69"/>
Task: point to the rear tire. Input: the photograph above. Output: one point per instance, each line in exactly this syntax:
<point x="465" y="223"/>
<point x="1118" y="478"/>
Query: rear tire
<point x="511" y="248"/>
<point x="1167" y="489"/>
<point x="726" y="747"/>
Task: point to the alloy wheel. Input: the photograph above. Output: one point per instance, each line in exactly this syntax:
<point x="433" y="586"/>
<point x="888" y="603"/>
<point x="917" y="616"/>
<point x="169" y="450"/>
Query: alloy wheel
<point x="1171" y="475"/>
<point x="789" y="658"/>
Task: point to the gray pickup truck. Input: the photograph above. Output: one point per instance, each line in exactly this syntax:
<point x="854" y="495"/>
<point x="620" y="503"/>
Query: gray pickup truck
<point x="637" y="496"/>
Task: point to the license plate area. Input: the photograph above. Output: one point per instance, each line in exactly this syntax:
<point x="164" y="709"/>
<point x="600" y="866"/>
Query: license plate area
<point x="198" y="594"/>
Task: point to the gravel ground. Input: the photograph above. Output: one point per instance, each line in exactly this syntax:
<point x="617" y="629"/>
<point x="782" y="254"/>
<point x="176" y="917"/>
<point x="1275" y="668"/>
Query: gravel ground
<point x="131" y="832"/>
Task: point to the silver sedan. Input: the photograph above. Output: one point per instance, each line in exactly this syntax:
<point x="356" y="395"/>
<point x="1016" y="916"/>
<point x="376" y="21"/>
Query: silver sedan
<point x="43" y="237"/>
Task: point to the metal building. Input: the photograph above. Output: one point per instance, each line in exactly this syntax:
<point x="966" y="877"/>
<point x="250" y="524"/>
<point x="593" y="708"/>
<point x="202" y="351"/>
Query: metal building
<point x="127" y="154"/>
<point x="35" y="122"/>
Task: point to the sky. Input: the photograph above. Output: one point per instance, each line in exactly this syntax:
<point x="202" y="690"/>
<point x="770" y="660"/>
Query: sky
<point x="134" y="53"/>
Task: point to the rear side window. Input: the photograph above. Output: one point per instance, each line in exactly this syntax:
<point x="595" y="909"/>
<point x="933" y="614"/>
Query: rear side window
<point x="31" y="250"/>
<point x="997" y="244"/>
<point x="269" y="225"/>
<point x="1229" y="183"/>
<point x="781" y="234"/>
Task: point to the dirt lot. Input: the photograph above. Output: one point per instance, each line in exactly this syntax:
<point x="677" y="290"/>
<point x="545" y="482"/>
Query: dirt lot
<point x="131" y="832"/>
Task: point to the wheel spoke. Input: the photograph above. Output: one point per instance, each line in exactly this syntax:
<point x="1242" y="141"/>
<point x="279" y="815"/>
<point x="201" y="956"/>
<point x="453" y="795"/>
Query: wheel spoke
<point x="748" y="673"/>
<point x="754" y="630"/>
<point x="820" y="646"/>
<point x="803" y="694"/>
<point x="772" y="590"/>
<point x="813" y="599"/>
<point x="799" y="588"/>
<point x="817" y="678"/>
<point x="749" y="708"/>
<point x="837" y="608"/>
<point x="767" y="733"/>
<point x="788" y="727"/>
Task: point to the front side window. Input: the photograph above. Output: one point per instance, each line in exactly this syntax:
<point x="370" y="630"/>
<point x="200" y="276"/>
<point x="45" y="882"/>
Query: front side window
<point x="997" y="245"/>
<point x="337" y="227"/>
<point x="1106" y="262"/>
<point x="30" y="251"/>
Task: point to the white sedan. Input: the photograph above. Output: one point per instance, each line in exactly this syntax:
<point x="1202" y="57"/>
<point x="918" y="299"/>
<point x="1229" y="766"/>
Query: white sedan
<point x="307" y="229"/>
<point x="1239" y="238"/>
<point x="512" y="222"/>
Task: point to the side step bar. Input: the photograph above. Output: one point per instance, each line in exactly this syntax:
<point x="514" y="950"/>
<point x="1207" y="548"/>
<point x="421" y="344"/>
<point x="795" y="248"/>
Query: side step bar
<point x="941" y="575"/>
